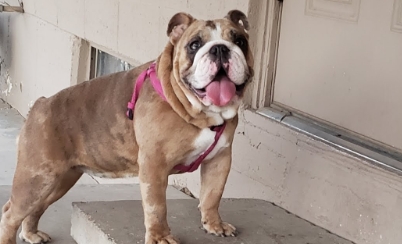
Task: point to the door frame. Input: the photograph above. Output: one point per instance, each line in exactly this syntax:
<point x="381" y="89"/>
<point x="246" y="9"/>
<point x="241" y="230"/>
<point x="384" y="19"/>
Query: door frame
<point x="265" y="19"/>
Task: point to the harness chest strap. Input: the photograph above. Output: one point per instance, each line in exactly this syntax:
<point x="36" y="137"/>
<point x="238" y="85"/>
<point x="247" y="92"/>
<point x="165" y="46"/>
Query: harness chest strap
<point x="137" y="87"/>
<point x="156" y="84"/>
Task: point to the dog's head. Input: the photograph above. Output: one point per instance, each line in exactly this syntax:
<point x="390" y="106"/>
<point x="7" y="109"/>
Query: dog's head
<point x="212" y="60"/>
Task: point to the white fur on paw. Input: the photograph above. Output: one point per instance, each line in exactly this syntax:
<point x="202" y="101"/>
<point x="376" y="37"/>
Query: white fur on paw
<point x="165" y="240"/>
<point x="35" y="238"/>
<point x="221" y="229"/>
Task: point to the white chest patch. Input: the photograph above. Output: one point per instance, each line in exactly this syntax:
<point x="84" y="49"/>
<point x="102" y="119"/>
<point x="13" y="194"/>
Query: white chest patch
<point x="202" y="142"/>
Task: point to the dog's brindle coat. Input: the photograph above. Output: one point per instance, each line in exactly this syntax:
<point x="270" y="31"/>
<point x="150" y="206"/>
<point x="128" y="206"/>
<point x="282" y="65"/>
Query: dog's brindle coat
<point x="84" y="129"/>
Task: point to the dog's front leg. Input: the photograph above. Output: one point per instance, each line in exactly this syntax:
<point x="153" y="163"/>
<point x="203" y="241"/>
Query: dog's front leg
<point x="153" y="181"/>
<point x="213" y="179"/>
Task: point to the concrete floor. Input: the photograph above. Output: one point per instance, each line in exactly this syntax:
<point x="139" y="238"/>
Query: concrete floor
<point x="10" y="124"/>
<point x="258" y="222"/>
<point x="57" y="219"/>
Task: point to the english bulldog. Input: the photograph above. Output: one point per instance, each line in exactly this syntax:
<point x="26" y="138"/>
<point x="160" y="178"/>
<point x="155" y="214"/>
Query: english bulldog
<point x="168" y="116"/>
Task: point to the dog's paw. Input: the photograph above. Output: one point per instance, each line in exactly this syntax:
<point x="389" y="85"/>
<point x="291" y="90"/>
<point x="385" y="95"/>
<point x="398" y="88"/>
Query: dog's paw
<point x="222" y="229"/>
<point x="165" y="240"/>
<point x="35" y="238"/>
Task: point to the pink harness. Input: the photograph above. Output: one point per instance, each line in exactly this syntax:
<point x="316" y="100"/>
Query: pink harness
<point x="150" y="72"/>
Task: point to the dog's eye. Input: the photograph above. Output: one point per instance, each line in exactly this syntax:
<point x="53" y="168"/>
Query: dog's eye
<point x="241" y="42"/>
<point x="195" y="45"/>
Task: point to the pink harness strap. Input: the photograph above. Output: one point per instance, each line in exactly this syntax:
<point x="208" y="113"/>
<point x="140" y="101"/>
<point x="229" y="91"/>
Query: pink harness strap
<point x="194" y="165"/>
<point x="156" y="84"/>
<point x="137" y="87"/>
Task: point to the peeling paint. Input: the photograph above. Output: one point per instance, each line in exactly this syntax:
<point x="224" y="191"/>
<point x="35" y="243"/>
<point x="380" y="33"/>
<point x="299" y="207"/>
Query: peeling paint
<point x="9" y="85"/>
<point x="30" y="104"/>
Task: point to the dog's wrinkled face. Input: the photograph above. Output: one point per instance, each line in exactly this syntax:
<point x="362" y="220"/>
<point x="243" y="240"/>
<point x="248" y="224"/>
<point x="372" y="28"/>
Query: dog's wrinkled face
<point x="213" y="62"/>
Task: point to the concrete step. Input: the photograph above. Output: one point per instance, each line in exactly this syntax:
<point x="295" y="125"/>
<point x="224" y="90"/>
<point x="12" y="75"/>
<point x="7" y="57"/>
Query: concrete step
<point x="57" y="219"/>
<point x="259" y="222"/>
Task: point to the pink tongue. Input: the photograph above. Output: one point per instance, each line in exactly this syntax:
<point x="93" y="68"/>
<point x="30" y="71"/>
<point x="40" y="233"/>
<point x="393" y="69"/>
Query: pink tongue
<point x="221" y="91"/>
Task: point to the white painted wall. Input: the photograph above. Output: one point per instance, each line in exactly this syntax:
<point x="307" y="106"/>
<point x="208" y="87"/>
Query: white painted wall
<point x="37" y="59"/>
<point x="41" y="47"/>
<point x="319" y="183"/>
<point x="131" y="29"/>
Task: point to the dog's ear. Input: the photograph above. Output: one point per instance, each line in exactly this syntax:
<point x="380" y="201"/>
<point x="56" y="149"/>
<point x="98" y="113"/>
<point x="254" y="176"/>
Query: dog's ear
<point x="236" y="16"/>
<point x="177" y="25"/>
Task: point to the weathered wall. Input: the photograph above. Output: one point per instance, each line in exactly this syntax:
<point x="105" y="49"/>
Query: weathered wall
<point x="317" y="182"/>
<point x="132" y="29"/>
<point x="40" y="48"/>
<point x="36" y="59"/>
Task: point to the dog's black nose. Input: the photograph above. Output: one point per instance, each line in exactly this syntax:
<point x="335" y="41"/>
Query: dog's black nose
<point x="219" y="50"/>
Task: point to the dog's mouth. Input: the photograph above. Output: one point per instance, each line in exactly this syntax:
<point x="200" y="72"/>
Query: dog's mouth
<point x="221" y="90"/>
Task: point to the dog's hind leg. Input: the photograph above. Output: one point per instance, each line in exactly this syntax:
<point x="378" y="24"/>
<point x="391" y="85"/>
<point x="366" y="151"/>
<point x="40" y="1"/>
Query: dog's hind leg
<point x="32" y="193"/>
<point x="9" y="239"/>
<point x="24" y="199"/>
<point x="30" y="232"/>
